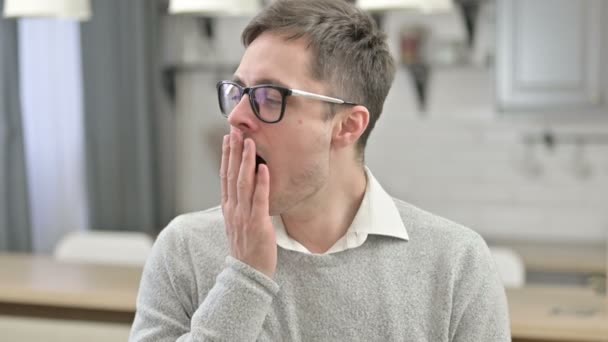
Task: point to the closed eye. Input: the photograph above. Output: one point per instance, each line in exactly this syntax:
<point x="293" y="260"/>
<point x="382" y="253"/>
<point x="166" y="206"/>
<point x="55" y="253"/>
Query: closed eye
<point x="272" y="102"/>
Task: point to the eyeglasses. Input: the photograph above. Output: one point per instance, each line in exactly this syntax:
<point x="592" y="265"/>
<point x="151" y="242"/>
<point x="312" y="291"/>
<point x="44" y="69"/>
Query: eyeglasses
<point x="266" y="100"/>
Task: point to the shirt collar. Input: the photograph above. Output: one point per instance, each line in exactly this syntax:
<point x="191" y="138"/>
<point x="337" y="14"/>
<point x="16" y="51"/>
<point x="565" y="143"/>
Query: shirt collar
<point x="377" y="215"/>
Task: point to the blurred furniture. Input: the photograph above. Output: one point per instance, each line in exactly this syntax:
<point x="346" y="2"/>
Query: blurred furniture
<point x="561" y="257"/>
<point x="510" y="266"/>
<point x="28" y="329"/>
<point x="557" y="314"/>
<point x="105" y="247"/>
<point x="550" y="57"/>
<point x="40" y="286"/>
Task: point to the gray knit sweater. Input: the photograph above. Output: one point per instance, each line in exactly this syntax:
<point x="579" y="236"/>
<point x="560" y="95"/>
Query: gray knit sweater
<point x="441" y="285"/>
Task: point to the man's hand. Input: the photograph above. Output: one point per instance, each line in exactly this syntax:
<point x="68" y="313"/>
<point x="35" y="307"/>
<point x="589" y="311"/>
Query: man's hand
<point x="245" y="197"/>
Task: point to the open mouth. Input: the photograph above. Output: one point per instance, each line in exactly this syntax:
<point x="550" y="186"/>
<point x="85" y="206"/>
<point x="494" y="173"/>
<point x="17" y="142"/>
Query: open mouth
<point x="259" y="160"/>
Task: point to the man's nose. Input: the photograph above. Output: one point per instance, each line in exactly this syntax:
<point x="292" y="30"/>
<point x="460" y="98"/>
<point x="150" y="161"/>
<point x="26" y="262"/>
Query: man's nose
<point x="242" y="116"/>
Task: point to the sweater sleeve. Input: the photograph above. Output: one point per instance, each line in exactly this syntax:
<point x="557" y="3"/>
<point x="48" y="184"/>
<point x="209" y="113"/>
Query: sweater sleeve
<point x="167" y="310"/>
<point x="480" y="310"/>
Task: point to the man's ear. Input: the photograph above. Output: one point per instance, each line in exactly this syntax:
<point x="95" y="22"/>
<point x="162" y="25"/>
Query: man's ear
<point x="349" y="126"/>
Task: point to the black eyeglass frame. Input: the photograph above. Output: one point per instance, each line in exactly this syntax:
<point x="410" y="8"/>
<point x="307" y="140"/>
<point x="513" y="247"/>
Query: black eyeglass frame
<point x="285" y="92"/>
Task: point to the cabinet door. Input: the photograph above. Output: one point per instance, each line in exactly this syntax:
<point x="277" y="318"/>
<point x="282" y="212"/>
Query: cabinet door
<point x="550" y="54"/>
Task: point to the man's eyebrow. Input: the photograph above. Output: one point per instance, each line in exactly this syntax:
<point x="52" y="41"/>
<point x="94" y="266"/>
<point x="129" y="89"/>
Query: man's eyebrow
<point x="272" y="81"/>
<point x="237" y="80"/>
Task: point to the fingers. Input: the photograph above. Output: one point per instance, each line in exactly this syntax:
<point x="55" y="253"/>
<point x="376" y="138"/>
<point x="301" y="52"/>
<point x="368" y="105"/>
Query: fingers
<point x="242" y="189"/>
<point x="246" y="177"/>
<point x="234" y="165"/>
<point x="260" y="206"/>
<point x="224" y="168"/>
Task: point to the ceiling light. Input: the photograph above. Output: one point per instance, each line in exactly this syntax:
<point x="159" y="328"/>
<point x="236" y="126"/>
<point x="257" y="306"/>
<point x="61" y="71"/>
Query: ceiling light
<point x="66" y="9"/>
<point x="215" y="7"/>
<point x="421" y="5"/>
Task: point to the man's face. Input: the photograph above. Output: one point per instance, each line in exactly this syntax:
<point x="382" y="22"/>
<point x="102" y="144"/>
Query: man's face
<point x="297" y="148"/>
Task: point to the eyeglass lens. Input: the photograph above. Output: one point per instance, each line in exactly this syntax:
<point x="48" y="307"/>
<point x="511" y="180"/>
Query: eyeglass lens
<point x="266" y="102"/>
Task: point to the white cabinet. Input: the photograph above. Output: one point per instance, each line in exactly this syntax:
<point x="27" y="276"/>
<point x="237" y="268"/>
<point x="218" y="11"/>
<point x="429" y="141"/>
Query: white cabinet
<point x="551" y="55"/>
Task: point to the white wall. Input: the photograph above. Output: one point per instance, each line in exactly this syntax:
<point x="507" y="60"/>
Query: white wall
<point x="200" y="130"/>
<point x="467" y="162"/>
<point x="200" y="127"/>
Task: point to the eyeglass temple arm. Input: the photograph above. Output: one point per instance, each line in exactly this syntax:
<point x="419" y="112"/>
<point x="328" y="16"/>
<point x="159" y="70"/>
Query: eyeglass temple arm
<point x="306" y="94"/>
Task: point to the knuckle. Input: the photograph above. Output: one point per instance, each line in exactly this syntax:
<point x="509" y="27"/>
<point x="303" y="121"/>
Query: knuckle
<point x="242" y="184"/>
<point x="246" y="153"/>
<point x="229" y="208"/>
<point x="226" y="209"/>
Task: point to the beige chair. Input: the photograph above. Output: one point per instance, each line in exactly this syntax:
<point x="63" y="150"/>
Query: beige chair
<point x="105" y="247"/>
<point x="510" y="266"/>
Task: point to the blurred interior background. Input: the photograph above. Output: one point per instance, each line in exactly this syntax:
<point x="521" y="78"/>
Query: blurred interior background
<point x="497" y="119"/>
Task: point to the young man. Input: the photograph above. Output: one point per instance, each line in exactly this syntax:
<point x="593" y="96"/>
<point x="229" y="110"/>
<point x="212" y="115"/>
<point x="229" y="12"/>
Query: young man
<point x="306" y="245"/>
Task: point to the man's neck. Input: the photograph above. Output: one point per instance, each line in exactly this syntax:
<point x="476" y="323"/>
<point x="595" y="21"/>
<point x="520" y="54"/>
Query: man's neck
<point x="325" y="217"/>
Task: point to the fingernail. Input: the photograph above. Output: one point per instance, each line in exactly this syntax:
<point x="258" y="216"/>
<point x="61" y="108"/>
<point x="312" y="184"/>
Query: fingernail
<point x="225" y="141"/>
<point x="246" y="144"/>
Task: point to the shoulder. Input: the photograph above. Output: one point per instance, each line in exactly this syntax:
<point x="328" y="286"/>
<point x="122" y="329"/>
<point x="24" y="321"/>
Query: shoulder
<point x="199" y="231"/>
<point x="452" y="252"/>
<point x="452" y="240"/>
<point x="197" y="220"/>
<point x="206" y="223"/>
<point x="423" y="224"/>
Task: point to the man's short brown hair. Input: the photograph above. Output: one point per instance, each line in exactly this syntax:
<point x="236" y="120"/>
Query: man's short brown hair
<point x="349" y="52"/>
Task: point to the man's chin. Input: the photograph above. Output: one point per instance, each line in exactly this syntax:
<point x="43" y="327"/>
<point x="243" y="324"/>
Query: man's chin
<point x="273" y="210"/>
<point x="279" y="203"/>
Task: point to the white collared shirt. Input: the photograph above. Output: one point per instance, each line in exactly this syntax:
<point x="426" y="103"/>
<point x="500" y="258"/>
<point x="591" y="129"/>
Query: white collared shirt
<point x="377" y="215"/>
